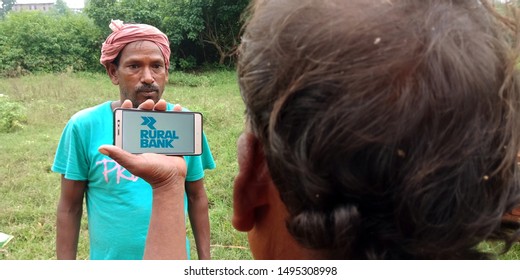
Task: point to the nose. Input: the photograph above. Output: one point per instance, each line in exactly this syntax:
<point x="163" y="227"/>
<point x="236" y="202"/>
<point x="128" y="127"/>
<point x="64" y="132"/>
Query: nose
<point x="147" y="76"/>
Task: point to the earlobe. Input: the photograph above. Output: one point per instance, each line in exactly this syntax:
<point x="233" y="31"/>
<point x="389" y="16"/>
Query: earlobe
<point x="112" y="73"/>
<point x="251" y="185"/>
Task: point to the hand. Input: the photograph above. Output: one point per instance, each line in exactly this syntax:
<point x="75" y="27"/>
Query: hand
<point x="157" y="170"/>
<point x="150" y="105"/>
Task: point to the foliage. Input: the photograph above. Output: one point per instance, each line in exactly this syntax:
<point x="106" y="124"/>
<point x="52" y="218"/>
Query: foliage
<point x="129" y="11"/>
<point x="5" y="7"/>
<point x="201" y="32"/>
<point x="61" y="8"/>
<point x="101" y="12"/>
<point x="13" y="115"/>
<point x="32" y="41"/>
<point x="212" y="25"/>
<point x="223" y="22"/>
<point x="141" y="11"/>
<point x="187" y="63"/>
<point x="204" y="30"/>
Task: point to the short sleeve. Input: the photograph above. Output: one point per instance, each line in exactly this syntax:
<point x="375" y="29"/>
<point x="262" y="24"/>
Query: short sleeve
<point x="70" y="158"/>
<point x="197" y="164"/>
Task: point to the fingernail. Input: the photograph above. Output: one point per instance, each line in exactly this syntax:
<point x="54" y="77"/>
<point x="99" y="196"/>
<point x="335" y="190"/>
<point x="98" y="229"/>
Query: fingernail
<point x="103" y="151"/>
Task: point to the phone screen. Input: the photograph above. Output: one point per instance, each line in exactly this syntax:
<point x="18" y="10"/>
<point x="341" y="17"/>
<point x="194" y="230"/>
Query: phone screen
<point x="163" y="132"/>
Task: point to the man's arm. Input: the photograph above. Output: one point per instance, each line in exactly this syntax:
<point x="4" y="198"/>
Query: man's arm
<point x="70" y="210"/>
<point x="199" y="218"/>
<point x="166" y="174"/>
<point x="167" y="233"/>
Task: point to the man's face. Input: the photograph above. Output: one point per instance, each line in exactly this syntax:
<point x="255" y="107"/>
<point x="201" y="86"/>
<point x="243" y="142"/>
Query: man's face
<point x="141" y="73"/>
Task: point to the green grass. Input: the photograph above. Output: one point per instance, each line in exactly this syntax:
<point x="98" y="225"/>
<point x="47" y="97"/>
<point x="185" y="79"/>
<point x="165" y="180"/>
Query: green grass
<point x="29" y="191"/>
<point x="497" y="247"/>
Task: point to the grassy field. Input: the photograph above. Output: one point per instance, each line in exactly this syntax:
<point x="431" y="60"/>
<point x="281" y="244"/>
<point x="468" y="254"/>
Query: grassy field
<point x="29" y="190"/>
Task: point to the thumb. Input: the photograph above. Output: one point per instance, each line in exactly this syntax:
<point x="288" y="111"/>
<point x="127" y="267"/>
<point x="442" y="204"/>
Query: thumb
<point x="121" y="156"/>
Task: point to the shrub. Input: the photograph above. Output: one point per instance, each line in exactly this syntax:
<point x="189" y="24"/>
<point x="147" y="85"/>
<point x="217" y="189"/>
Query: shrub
<point x="13" y="115"/>
<point x="187" y="63"/>
<point x="32" y="41"/>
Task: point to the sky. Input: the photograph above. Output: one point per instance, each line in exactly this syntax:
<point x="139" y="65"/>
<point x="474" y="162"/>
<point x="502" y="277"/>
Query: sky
<point x="70" y="3"/>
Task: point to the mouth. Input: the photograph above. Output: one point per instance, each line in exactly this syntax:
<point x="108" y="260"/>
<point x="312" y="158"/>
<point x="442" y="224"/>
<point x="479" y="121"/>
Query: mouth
<point x="148" y="93"/>
<point x="142" y="96"/>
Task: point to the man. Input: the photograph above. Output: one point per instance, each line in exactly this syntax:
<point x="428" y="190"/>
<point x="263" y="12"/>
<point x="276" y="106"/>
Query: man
<point x="375" y="130"/>
<point x="136" y="58"/>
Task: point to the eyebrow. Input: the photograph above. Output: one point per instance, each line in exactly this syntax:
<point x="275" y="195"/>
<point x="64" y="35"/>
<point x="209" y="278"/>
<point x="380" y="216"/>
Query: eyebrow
<point x="139" y="60"/>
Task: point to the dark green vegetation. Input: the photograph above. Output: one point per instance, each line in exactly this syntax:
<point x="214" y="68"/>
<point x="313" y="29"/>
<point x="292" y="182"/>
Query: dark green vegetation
<point x="201" y="32"/>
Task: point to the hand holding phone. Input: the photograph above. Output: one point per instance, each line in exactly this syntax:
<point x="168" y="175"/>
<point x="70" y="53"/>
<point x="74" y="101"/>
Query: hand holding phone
<point x="162" y="132"/>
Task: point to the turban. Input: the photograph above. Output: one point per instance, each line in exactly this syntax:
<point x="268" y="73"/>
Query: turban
<point x="123" y="34"/>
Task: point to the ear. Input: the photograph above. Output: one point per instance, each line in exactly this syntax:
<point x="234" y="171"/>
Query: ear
<point x="250" y="191"/>
<point x="112" y="73"/>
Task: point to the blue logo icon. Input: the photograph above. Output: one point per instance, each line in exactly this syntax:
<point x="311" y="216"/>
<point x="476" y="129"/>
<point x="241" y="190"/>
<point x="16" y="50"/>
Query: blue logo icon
<point x="149" y="121"/>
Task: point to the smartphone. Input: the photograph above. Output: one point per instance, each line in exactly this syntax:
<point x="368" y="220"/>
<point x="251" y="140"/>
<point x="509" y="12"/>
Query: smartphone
<point x="162" y="132"/>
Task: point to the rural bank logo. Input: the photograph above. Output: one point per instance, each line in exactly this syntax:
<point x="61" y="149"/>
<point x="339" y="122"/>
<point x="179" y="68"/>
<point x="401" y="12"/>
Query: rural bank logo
<point x="149" y="121"/>
<point x="156" y="138"/>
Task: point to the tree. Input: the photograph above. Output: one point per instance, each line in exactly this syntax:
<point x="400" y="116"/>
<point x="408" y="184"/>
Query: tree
<point x="200" y="31"/>
<point x="141" y="11"/>
<point x="61" y="7"/>
<point x="129" y="11"/>
<point x="6" y="6"/>
<point x="101" y="12"/>
<point x="212" y="25"/>
<point x="222" y="20"/>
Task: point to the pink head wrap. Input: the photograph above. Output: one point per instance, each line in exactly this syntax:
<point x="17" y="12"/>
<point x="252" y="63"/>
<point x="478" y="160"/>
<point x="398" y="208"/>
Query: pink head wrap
<point x="123" y="34"/>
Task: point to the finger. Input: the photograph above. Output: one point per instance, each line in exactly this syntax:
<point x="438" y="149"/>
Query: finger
<point x="147" y="105"/>
<point x="127" y="104"/>
<point x="160" y="105"/>
<point x="177" y="108"/>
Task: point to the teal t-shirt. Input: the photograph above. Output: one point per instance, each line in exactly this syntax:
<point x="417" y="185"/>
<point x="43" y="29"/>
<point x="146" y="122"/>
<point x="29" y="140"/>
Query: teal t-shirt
<point x="118" y="203"/>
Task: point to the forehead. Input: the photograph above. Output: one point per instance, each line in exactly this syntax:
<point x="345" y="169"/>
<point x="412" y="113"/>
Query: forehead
<point x="141" y="50"/>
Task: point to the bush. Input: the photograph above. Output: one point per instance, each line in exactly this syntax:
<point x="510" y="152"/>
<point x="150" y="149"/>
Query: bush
<point x="188" y="63"/>
<point x="13" y="115"/>
<point x="33" y="41"/>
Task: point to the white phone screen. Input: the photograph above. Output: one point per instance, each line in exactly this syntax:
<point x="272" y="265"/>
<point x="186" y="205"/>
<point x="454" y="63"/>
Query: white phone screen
<point x="163" y="132"/>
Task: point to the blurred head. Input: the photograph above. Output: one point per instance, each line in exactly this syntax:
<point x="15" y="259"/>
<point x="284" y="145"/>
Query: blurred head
<point x="384" y="129"/>
<point x="137" y="57"/>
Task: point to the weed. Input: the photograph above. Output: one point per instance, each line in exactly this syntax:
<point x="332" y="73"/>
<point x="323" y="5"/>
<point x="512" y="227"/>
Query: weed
<point x="13" y="115"/>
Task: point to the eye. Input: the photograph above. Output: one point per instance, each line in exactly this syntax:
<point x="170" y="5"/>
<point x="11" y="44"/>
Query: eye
<point x="133" y="66"/>
<point x="157" y="66"/>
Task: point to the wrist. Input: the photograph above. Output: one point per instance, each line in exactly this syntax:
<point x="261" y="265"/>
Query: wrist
<point x="167" y="192"/>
